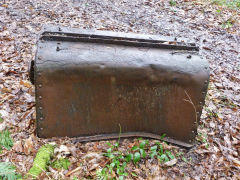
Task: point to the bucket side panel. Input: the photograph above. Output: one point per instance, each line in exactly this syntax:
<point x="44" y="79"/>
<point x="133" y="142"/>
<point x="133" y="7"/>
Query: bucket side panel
<point x="82" y="105"/>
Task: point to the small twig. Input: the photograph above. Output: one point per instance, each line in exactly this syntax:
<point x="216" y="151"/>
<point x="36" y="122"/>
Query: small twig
<point x="194" y="107"/>
<point x="73" y="171"/>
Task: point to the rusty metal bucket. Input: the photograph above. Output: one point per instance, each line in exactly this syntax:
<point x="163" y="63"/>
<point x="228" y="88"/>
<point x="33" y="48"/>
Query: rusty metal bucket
<point x="89" y="82"/>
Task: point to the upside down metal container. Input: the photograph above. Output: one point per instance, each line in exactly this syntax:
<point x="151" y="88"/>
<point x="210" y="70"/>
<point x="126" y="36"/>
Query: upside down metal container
<point x="89" y="82"/>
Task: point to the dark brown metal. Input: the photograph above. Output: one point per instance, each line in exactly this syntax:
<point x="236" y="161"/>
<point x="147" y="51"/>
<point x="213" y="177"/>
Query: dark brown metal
<point x="88" y="82"/>
<point x="31" y="71"/>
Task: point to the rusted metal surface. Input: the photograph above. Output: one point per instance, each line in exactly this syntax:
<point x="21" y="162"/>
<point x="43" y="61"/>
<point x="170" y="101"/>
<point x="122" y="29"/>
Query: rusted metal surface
<point x="89" y="82"/>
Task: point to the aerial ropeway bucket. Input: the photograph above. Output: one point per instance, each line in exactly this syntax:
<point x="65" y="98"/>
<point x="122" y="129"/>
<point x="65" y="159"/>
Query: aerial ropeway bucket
<point x="89" y="83"/>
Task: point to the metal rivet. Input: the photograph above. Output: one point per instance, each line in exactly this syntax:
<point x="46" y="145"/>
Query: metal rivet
<point x="59" y="29"/>
<point x="203" y="92"/>
<point x="58" y="49"/>
<point x="41" y="128"/>
<point x="206" y="82"/>
<point x="193" y="132"/>
<point x="40" y="97"/>
<point x="40" y="108"/>
<point x="39" y="74"/>
<point x="200" y="103"/>
<point x="39" y="85"/>
<point x="41" y="118"/>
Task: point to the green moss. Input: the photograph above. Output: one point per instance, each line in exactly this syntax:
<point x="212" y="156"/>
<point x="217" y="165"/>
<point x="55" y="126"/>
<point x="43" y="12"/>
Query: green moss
<point x="41" y="160"/>
<point x="61" y="163"/>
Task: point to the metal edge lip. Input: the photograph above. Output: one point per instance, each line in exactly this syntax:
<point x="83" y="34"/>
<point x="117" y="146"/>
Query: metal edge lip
<point x="52" y="32"/>
<point x="60" y="28"/>
<point x="125" y="42"/>
<point x="129" y="135"/>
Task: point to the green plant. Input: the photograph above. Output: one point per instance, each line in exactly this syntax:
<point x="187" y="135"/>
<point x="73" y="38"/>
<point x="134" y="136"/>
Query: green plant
<point x="117" y="161"/>
<point x="158" y="151"/>
<point x="227" y="24"/>
<point x="139" y="151"/>
<point x="8" y="171"/>
<point x="1" y="119"/>
<point x="232" y="4"/>
<point x="184" y="159"/>
<point x="172" y="3"/>
<point x="203" y="138"/>
<point x="61" y="163"/>
<point x="5" y="140"/>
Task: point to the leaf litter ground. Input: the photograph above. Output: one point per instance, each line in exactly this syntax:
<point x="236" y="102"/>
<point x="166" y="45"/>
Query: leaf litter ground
<point x="216" y="29"/>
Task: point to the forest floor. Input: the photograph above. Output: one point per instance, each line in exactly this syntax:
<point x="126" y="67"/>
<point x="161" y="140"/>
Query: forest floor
<point x="215" y="27"/>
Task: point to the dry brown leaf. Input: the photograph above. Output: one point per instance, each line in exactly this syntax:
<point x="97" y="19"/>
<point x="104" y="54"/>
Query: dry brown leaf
<point x="25" y="83"/>
<point x="171" y="162"/>
<point x="28" y="146"/>
<point x="18" y="146"/>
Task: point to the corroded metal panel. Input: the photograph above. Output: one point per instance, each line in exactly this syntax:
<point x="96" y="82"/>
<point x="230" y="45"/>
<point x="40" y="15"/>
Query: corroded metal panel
<point x="90" y="82"/>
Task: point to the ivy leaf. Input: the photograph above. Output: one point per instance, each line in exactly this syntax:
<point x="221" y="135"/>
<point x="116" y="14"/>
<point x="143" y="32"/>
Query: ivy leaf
<point x="164" y="158"/>
<point x="109" y="150"/>
<point x="134" y="174"/>
<point x="161" y="149"/>
<point x="110" y="155"/>
<point x="124" y="164"/>
<point x="184" y="159"/>
<point x="143" y="144"/>
<point x="153" y="148"/>
<point x="112" y="164"/>
<point x="116" y="145"/>
<point x="162" y="136"/>
<point x="134" y="148"/>
<point x="136" y="157"/>
<point x="121" y="178"/>
<point x="143" y="153"/>
<point x="153" y="154"/>
<point x="170" y="155"/>
<point x="129" y="157"/>
<point x="109" y="144"/>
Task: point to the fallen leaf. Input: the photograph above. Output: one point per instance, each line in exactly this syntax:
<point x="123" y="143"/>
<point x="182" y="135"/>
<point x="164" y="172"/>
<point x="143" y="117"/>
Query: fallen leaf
<point x="2" y="126"/>
<point x="171" y="162"/>
<point x="28" y="146"/>
<point x="18" y="146"/>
